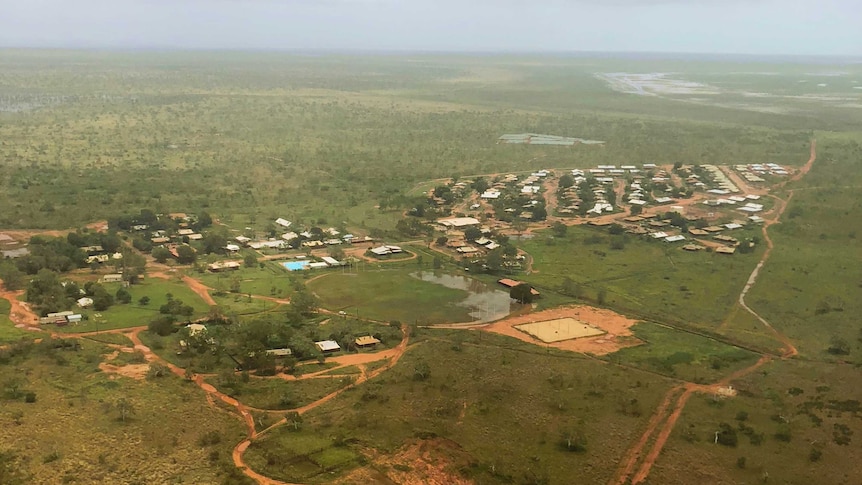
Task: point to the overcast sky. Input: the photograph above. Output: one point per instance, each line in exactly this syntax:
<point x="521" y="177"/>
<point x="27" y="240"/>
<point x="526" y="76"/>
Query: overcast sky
<point x="805" y="27"/>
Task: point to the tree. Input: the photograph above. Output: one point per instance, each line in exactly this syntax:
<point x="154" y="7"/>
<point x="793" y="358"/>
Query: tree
<point x="636" y="210"/>
<point x="214" y="242"/>
<point x="494" y="260"/>
<point x="421" y="371"/>
<point x="124" y="408"/>
<point x="102" y="300"/>
<point x="838" y="346"/>
<point x="144" y="301"/>
<point x="186" y="254"/>
<point x="602" y="296"/>
<point x="570" y="288"/>
<point x="162" y="326"/>
<point x="304" y="302"/>
<point x="726" y="435"/>
<point x="161" y="254"/>
<point x="480" y="185"/>
<point x="13" y="278"/>
<point x="566" y="181"/>
<point x="123" y="296"/>
<point x="540" y="213"/>
<point x="522" y="293"/>
<point x="442" y="240"/>
<point x="472" y="233"/>
<point x="204" y="221"/>
<point x="560" y="229"/>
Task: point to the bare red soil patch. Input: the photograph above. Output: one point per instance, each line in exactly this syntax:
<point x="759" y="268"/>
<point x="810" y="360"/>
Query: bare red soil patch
<point x="617" y="327"/>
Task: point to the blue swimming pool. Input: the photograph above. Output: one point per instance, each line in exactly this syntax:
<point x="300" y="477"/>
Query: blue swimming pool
<point x="295" y="265"/>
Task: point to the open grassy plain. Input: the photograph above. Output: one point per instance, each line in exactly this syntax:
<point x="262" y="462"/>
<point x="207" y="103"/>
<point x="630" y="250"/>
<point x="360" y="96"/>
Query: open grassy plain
<point x="511" y="408"/>
<point x="73" y="430"/>
<point x="646" y="277"/>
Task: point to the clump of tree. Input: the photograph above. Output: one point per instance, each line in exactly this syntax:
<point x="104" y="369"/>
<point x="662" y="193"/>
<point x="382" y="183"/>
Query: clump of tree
<point x="522" y="293"/>
<point x="838" y="346"/>
<point x="726" y="435"/>
<point x="175" y="308"/>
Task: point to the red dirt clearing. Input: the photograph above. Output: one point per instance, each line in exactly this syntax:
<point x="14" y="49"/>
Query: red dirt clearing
<point x="617" y="326"/>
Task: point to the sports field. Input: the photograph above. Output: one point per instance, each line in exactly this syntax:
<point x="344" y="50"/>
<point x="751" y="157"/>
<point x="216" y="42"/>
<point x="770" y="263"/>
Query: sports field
<point x="560" y="329"/>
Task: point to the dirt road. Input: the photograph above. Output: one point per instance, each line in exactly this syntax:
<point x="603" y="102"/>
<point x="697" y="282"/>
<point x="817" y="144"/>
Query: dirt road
<point x="20" y="313"/>
<point x="669" y="414"/>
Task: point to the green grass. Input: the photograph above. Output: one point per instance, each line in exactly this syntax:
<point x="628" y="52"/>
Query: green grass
<point x="809" y="287"/>
<point x="390" y="295"/>
<point x="647" y="278"/>
<point x="299" y="456"/>
<point x="110" y="338"/>
<point x="256" y="281"/>
<point x="494" y="388"/>
<point x="802" y="398"/>
<point x="682" y="355"/>
<point x="77" y="399"/>
<point x="276" y="393"/>
<point x="241" y="304"/>
<point x="134" y="314"/>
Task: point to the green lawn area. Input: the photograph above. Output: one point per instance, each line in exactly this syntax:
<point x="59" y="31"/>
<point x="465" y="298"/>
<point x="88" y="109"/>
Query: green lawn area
<point x="241" y="304"/>
<point x="301" y="456"/>
<point x="647" y="278"/>
<point x="684" y="355"/>
<point x="271" y="280"/>
<point x="135" y="314"/>
<point x="390" y="295"/>
<point x="277" y="393"/>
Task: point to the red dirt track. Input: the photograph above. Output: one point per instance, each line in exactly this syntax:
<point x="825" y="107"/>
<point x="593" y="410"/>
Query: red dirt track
<point x="669" y="414"/>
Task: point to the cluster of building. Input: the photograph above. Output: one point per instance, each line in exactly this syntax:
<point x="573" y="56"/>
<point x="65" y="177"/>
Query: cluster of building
<point x="454" y="228"/>
<point x="386" y="250"/>
<point x="98" y="255"/>
<point x="720" y="180"/>
<point x="753" y="172"/>
<point x="61" y="318"/>
<point x="302" y="262"/>
<point x="661" y="229"/>
<point x="327" y="237"/>
<point x="331" y="346"/>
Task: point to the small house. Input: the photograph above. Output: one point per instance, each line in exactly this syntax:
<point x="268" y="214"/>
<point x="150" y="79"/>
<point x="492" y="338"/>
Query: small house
<point x="277" y="353"/>
<point x="366" y="341"/>
<point x="326" y="346"/>
<point x="112" y="278"/>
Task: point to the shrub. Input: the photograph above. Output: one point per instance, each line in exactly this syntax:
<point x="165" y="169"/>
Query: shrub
<point x="158" y="370"/>
<point x="209" y="438"/>
<point x="726" y="435"/>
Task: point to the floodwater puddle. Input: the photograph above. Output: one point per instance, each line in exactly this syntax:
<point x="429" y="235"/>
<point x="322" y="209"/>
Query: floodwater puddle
<point x="485" y="302"/>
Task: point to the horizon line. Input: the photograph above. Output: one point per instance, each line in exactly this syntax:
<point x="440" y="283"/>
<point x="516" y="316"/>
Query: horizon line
<point x="421" y="51"/>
